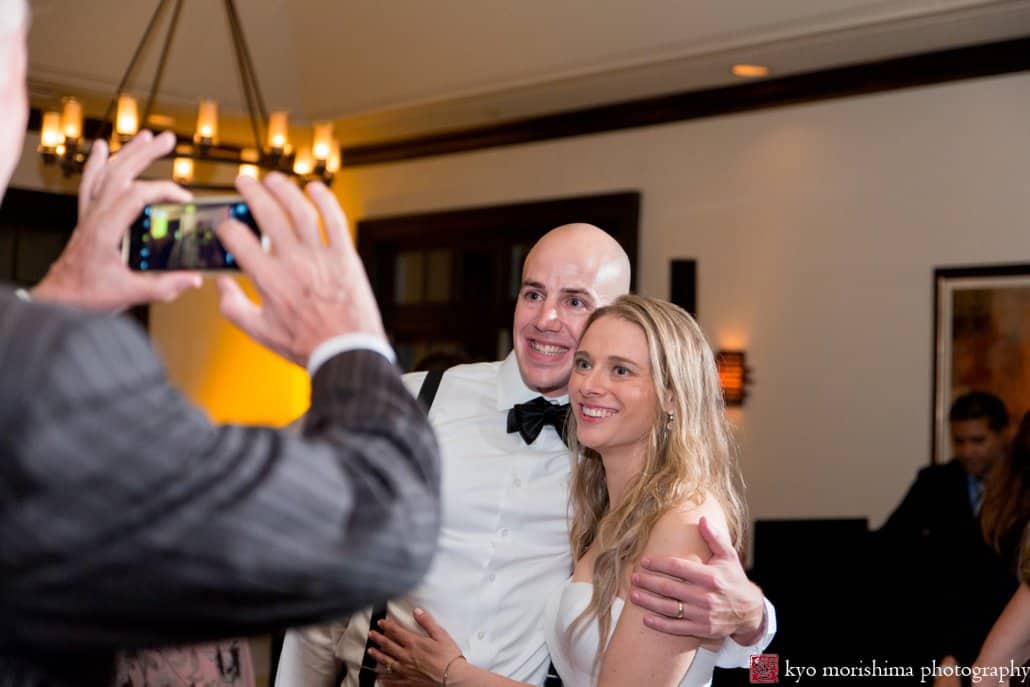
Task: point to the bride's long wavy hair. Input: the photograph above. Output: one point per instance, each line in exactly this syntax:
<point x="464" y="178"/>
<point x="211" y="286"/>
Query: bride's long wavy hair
<point x="688" y="457"/>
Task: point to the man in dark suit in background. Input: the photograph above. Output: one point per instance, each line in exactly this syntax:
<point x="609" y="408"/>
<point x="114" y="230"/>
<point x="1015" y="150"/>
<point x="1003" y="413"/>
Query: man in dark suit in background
<point x="126" y="518"/>
<point x="956" y="584"/>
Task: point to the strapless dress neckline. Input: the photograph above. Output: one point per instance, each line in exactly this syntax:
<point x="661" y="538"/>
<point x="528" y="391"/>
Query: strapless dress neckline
<point x="574" y="660"/>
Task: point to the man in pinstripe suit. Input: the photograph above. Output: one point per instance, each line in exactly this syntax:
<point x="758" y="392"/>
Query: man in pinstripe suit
<point x="126" y="518"/>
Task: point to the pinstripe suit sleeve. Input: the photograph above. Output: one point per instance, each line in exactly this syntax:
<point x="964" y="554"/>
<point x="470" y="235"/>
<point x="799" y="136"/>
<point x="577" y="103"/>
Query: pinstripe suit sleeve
<point x="130" y="520"/>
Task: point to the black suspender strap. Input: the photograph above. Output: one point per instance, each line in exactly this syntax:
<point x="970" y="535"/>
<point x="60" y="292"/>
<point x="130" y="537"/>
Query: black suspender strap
<point x="430" y="384"/>
<point x="367" y="674"/>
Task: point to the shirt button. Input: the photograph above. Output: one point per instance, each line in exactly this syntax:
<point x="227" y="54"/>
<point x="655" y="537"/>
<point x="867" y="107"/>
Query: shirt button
<point x="504" y="531"/>
<point x="481" y="635"/>
<point x="518" y="482"/>
<point x="492" y="577"/>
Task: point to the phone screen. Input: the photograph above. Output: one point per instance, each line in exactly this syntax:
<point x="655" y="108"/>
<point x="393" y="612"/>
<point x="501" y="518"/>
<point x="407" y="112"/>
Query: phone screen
<point x="181" y="236"/>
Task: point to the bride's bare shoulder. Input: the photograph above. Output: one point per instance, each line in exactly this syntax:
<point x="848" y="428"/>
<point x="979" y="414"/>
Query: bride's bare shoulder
<point x="676" y="533"/>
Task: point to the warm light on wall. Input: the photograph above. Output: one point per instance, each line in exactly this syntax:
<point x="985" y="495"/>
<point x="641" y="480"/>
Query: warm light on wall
<point x="750" y="71"/>
<point x="220" y="368"/>
<point x="734" y="376"/>
<point x="245" y="382"/>
<point x="248" y="171"/>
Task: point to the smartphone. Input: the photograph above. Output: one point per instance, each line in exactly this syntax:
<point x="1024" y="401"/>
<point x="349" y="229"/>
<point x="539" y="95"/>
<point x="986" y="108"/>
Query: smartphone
<point x="181" y="236"/>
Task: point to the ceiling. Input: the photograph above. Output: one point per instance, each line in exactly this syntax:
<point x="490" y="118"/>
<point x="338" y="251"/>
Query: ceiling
<point x="400" y="68"/>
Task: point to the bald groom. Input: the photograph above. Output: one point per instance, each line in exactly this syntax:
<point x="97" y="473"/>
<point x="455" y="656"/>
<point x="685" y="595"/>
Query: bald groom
<point x="504" y="544"/>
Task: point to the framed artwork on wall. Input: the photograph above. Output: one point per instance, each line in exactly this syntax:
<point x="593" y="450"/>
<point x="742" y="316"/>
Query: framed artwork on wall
<point x="981" y="341"/>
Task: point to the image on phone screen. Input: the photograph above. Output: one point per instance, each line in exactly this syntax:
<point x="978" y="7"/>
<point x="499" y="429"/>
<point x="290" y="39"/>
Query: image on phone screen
<point x="181" y="236"/>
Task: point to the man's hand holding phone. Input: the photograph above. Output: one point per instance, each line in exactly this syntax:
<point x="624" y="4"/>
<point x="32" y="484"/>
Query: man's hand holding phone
<point x="90" y="272"/>
<point x="181" y="236"/>
<point x="310" y="291"/>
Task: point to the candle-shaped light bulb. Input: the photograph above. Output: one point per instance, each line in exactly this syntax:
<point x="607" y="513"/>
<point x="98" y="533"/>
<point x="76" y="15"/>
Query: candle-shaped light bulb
<point x="304" y="163"/>
<point x="71" y="119"/>
<point x="50" y="134"/>
<point x="127" y="117"/>
<point x="332" y="165"/>
<point x="182" y="170"/>
<point x="207" y="123"/>
<point x="323" y="141"/>
<point x="277" y="132"/>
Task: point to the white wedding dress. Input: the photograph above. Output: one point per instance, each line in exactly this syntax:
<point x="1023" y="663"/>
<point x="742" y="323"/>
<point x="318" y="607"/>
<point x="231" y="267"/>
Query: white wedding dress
<point x="575" y="663"/>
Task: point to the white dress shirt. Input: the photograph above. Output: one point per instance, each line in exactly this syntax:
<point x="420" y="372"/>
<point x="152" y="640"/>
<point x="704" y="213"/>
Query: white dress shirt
<point x="503" y="546"/>
<point x="348" y="342"/>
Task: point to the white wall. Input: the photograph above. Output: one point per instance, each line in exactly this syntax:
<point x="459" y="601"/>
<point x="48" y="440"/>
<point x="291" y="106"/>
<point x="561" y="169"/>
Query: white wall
<point x="816" y="228"/>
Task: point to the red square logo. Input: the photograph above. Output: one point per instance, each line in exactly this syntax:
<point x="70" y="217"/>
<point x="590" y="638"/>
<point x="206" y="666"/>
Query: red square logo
<point x="765" y="669"/>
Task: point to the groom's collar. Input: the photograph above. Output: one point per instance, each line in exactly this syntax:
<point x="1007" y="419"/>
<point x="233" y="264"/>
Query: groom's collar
<point x="511" y="389"/>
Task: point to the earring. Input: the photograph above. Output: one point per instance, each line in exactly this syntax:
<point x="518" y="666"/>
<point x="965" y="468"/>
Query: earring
<point x="668" y="423"/>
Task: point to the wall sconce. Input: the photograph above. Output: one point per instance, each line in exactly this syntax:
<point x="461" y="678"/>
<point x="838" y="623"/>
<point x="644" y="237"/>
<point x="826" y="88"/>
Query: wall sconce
<point x="734" y="376"/>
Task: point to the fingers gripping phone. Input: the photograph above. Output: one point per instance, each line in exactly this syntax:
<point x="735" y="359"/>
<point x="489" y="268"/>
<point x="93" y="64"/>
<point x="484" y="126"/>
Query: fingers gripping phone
<point x="181" y="236"/>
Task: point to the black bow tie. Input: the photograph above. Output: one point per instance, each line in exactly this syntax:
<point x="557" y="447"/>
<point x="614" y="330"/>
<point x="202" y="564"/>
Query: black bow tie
<point x="529" y="418"/>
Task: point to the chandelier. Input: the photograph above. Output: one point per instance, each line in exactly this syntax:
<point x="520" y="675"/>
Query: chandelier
<point x="63" y="140"/>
